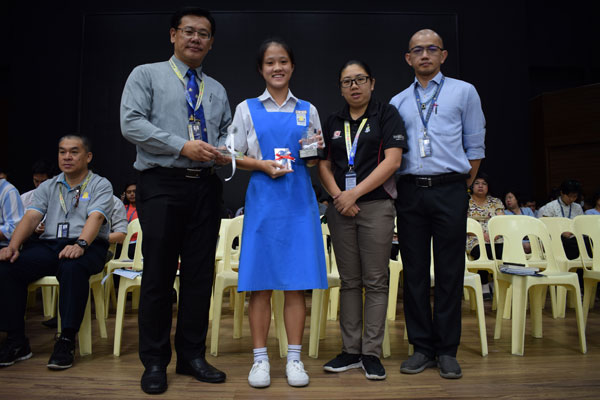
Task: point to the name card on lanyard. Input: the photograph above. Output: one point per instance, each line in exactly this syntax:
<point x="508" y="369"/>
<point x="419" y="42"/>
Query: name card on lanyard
<point x="425" y="142"/>
<point x="194" y="124"/>
<point x="351" y="151"/>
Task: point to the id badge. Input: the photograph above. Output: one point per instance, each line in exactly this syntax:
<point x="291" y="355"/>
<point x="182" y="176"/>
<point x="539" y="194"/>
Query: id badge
<point x="350" y="180"/>
<point x="424" y="147"/>
<point x="195" y="130"/>
<point x="62" y="230"/>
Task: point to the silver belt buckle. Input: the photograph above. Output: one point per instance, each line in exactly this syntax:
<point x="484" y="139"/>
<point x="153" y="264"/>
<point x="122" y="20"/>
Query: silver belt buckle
<point x="423" y="181"/>
<point x="193" y="173"/>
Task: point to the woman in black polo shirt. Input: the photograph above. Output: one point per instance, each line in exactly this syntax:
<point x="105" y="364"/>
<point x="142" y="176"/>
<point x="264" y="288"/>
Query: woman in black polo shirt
<point x="364" y="143"/>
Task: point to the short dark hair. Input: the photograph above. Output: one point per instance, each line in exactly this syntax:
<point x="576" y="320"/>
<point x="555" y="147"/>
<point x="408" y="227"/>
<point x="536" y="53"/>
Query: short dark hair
<point x="198" y="12"/>
<point x="595" y="199"/>
<point x="360" y="63"/>
<point x="570" y="186"/>
<point x="87" y="145"/>
<point x="514" y="193"/>
<point x="260" y="56"/>
<point x="42" y="167"/>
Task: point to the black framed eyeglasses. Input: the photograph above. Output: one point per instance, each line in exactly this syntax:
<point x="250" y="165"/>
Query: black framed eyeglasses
<point x="190" y="32"/>
<point x="431" y="49"/>
<point x="359" y="80"/>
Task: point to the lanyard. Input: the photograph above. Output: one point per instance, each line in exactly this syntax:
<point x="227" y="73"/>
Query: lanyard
<point x="127" y="208"/>
<point x="433" y="101"/>
<point x="563" y="211"/>
<point x="187" y="95"/>
<point x="81" y="189"/>
<point x="352" y="150"/>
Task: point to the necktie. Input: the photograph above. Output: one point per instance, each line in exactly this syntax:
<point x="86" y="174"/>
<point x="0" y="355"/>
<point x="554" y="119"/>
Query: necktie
<point x="192" y="93"/>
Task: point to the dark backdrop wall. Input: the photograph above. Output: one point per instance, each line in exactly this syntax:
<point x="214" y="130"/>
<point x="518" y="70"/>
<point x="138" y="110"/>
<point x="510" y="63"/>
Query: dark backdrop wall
<point x="76" y="57"/>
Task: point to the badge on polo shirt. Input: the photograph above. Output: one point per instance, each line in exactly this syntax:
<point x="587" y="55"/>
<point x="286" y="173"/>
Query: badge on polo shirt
<point x="62" y="230"/>
<point x="85" y="197"/>
<point x="301" y="117"/>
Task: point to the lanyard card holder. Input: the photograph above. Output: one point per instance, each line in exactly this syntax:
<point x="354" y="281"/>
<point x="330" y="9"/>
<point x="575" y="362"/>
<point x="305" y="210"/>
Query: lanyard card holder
<point x="425" y="146"/>
<point x="350" y="180"/>
<point x="62" y="230"/>
<point x="195" y="130"/>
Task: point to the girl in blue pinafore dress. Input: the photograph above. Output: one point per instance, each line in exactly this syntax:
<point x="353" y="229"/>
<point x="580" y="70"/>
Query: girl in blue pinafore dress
<point x="282" y="247"/>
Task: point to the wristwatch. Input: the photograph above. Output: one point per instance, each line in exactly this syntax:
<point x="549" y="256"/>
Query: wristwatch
<point x="82" y="243"/>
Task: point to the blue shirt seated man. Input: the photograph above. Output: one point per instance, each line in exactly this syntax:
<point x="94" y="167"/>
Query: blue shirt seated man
<point x="73" y="247"/>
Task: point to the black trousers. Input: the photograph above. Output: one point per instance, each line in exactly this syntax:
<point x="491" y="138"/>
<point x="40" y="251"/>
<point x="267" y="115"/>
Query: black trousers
<point x="438" y="212"/>
<point x="39" y="258"/>
<point x="180" y="219"/>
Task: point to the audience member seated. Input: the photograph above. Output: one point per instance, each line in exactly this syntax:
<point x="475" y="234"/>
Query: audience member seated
<point x="11" y="211"/>
<point x="566" y="207"/>
<point x="41" y="171"/>
<point x="482" y="207"/>
<point x="131" y="213"/>
<point x="532" y="204"/>
<point x="596" y="205"/>
<point x="511" y="201"/>
<point x="73" y="247"/>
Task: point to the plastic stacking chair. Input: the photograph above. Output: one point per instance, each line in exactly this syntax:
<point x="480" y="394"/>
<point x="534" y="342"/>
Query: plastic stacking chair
<point x="395" y="267"/>
<point x="122" y="261"/>
<point x="483" y="263"/>
<point x="513" y="228"/>
<point x="127" y="285"/>
<point x="227" y="277"/>
<point x="588" y="225"/>
<point x="333" y="304"/>
<point x="556" y="227"/>
<point x="85" y="331"/>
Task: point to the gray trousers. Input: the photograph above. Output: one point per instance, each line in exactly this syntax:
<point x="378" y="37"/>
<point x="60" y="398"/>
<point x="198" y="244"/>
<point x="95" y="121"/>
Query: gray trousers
<point x="362" y="246"/>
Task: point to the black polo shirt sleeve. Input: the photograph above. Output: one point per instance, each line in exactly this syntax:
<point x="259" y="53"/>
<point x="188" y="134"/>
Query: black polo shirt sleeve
<point x="392" y="128"/>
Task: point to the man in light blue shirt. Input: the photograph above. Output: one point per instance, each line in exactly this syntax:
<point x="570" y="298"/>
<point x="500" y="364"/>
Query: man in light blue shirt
<point x="11" y="211"/>
<point x="446" y="132"/>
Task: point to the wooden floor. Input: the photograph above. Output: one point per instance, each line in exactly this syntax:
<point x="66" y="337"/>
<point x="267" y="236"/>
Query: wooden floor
<point x="552" y="368"/>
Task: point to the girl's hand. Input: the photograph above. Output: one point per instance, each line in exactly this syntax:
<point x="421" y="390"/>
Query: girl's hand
<point x="274" y="169"/>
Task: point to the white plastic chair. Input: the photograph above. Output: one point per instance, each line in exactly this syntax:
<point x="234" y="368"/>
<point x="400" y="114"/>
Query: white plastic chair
<point x="513" y="229"/>
<point x="85" y="331"/>
<point x="588" y="225"/>
<point x="483" y="263"/>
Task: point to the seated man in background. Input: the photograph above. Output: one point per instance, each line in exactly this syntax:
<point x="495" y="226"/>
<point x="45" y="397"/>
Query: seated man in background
<point x="11" y="211"/>
<point x="42" y="170"/>
<point x="566" y="206"/>
<point x="73" y="247"/>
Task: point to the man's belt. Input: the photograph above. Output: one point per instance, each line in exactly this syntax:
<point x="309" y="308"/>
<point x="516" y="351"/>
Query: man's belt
<point x="192" y="173"/>
<point x="426" y="181"/>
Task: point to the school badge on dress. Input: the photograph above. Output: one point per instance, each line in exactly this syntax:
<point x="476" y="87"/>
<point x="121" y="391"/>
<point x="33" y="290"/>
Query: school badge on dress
<point x="301" y="117"/>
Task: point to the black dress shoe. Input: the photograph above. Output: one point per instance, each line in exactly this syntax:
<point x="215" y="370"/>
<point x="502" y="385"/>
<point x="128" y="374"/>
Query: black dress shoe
<point x="154" y="380"/>
<point x="201" y="370"/>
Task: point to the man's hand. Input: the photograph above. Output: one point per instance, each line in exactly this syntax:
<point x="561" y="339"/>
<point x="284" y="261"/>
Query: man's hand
<point x="40" y="228"/>
<point x="273" y="169"/>
<point x="71" y="251"/>
<point x="9" y="254"/>
<point x="198" y="150"/>
<point x="221" y="158"/>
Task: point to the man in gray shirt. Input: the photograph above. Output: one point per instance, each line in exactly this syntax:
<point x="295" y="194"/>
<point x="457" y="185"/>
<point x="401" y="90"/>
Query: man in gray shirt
<point x="176" y="115"/>
<point x="77" y="204"/>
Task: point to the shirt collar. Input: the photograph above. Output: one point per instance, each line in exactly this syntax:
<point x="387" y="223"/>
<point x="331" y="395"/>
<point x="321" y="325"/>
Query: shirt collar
<point x="61" y="179"/>
<point x="437" y="79"/>
<point x="183" y="67"/>
<point x="267" y="96"/>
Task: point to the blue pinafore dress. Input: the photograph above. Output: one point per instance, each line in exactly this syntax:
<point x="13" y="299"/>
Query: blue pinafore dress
<point x="282" y="244"/>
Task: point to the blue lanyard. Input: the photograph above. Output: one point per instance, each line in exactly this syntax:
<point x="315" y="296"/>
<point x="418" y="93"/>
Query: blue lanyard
<point x="563" y="211"/>
<point x="352" y="150"/>
<point x="433" y="101"/>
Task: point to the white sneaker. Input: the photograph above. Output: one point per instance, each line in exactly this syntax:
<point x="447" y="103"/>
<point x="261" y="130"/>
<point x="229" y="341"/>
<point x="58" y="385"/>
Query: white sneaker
<point x="259" y="376"/>
<point x="296" y="375"/>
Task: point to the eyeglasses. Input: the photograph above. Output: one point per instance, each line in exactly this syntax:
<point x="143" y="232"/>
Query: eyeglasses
<point x="190" y="32"/>
<point x="432" y="49"/>
<point x="359" y="80"/>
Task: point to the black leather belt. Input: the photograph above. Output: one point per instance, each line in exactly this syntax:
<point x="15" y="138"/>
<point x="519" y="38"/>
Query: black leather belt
<point x="426" y="181"/>
<point x="192" y="173"/>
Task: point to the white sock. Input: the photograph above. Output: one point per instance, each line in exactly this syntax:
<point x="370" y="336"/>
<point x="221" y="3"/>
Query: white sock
<point x="260" y="354"/>
<point x="294" y="352"/>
